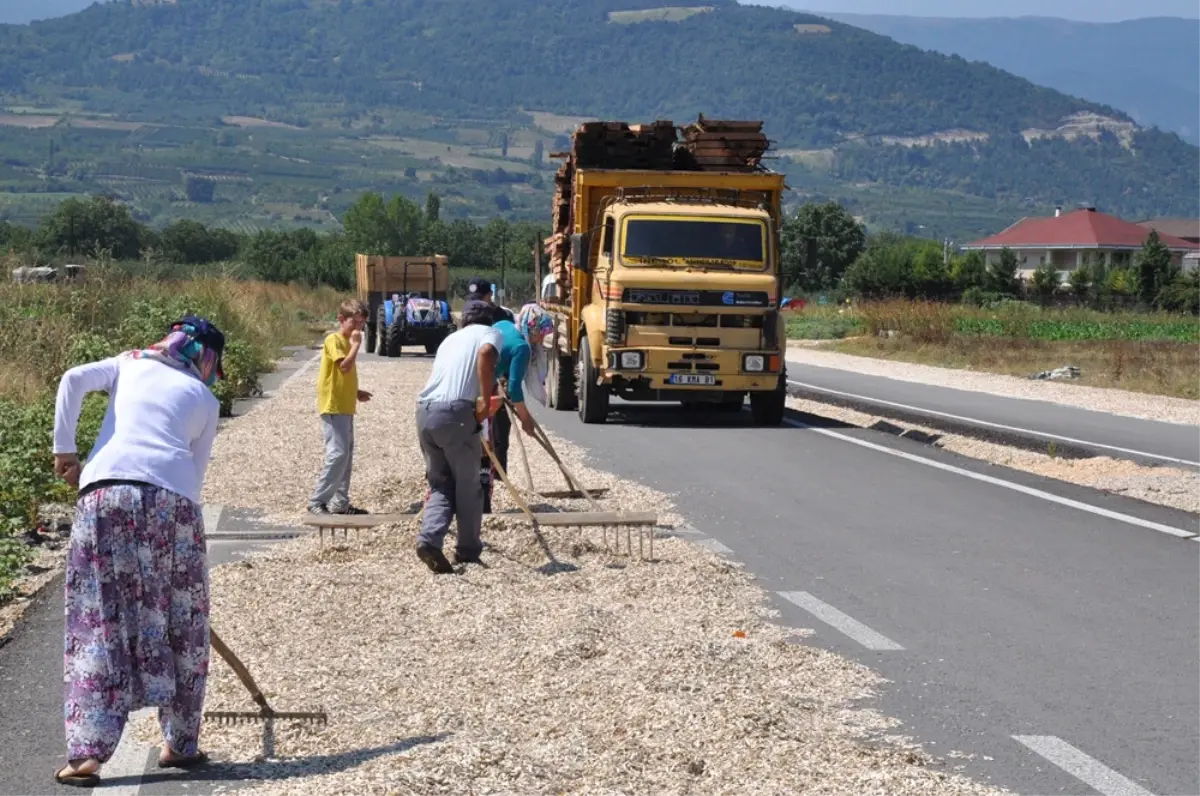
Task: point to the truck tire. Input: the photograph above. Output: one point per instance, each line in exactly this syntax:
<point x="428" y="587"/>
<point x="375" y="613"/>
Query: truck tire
<point x="431" y="348"/>
<point x="767" y="407"/>
<point x="395" y="339"/>
<point x="560" y="383"/>
<point x="593" y="397"/>
<point x="378" y="339"/>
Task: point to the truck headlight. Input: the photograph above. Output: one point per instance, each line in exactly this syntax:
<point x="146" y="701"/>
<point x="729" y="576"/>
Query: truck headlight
<point x="754" y="363"/>
<point x="631" y="360"/>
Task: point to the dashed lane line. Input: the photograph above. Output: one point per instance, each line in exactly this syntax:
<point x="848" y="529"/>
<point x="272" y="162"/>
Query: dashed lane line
<point x="1079" y="765"/>
<point x="840" y="621"/>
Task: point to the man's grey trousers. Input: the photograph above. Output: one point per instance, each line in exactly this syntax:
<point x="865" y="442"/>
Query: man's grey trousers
<point x="451" y="445"/>
<point x="333" y="486"/>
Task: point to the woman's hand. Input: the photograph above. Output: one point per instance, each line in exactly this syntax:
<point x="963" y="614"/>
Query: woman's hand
<point x="363" y="396"/>
<point x="525" y="418"/>
<point x="66" y="467"/>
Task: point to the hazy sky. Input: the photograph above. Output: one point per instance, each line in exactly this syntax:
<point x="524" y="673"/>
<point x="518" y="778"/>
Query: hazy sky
<point x="1089" y="10"/>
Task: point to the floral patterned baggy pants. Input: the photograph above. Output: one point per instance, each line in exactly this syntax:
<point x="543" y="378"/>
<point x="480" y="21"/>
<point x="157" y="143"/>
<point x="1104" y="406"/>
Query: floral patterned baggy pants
<point x="136" y="618"/>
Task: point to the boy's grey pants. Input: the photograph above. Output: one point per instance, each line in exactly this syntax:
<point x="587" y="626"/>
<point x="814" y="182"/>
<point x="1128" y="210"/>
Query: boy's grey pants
<point x="333" y="487"/>
<point x="451" y="445"/>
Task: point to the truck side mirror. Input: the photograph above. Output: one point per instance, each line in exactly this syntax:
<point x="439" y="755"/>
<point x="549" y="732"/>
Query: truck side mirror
<point x="579" y="251"/>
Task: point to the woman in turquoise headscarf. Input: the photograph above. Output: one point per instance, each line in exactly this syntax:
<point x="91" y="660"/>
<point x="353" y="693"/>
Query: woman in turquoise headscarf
<point x="522" y="366"/>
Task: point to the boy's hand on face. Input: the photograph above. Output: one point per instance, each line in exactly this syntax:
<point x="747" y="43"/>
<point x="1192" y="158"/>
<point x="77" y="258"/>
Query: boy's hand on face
<point x="356" y="337"/>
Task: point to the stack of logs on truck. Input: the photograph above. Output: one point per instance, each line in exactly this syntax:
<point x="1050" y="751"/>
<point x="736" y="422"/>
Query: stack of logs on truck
<point x="664" y="254"/>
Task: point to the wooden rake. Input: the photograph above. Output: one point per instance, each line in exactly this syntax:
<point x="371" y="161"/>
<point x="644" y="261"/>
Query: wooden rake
<point x="265" y="711"/>
<point x="642" y="520"/>
<point x="575" y="489"/>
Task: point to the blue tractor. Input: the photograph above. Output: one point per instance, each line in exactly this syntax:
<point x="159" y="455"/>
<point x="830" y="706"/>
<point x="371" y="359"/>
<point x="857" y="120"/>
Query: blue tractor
<point x="414" y="319"/>
<point x="408" y="300"/>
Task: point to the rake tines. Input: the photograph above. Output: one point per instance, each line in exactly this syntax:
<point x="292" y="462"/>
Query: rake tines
<point x="231" y="717"/>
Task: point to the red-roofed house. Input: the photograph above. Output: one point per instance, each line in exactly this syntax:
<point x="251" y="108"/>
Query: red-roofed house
<point x="1069" y="240"/>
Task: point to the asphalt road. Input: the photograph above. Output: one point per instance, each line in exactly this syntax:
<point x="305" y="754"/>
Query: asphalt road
<point x="1121" y="437"/>
<point x="995" y="613"/>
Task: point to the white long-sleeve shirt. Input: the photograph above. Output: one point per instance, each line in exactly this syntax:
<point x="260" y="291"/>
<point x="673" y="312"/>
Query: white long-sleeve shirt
<point x="159" y="427"/>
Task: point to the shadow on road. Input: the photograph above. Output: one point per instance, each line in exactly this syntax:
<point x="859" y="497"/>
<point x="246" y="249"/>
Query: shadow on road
<point x="673" y="416"/>
<point x="276" y="769"/>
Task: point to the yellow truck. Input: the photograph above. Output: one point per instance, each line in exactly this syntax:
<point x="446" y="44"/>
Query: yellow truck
<point x="665" y="260"/>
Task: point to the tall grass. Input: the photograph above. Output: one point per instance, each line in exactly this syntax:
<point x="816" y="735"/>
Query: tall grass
<point x="933" y="322"/>
<point x="47" y="328"/>
<point x="1156" y="353"/>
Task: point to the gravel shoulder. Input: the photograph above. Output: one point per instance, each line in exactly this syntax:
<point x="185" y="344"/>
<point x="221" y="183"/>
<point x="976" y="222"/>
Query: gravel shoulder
<point x="595" y="672"/>
<point x="1117" y="402"/>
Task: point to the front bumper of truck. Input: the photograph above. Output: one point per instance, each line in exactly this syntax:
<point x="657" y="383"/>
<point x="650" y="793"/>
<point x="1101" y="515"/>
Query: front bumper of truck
<point x="642" y="368"/>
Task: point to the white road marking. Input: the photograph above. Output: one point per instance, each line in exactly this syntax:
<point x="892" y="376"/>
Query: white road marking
<point x="1085" y="769"/>
<point x="212" y="517"/>
<point x="987" y="479"/>
<point x="977" y="422"/>
<point x="130" y="761"/>
<point x="835" y="618"/>
<point x="713" y="545"/>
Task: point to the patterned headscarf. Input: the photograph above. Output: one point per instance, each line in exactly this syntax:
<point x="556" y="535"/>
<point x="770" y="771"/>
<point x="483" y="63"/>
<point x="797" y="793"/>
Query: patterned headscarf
<point x="183" y="346"/>
<point x="532" y="319"/>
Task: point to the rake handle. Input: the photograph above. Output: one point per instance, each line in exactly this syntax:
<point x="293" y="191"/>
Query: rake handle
<point x="239" y="669"/>
<point x="504" y="477"/>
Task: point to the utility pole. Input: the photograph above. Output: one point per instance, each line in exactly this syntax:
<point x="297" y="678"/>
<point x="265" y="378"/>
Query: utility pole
<point x="503" y="245"/>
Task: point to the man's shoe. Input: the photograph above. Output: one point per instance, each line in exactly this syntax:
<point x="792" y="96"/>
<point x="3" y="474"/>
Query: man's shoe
<point x="351" y="510"/>
<point x="318" y="509"/>
<point x="434" y="559"/>
<point x="461" y="558"/>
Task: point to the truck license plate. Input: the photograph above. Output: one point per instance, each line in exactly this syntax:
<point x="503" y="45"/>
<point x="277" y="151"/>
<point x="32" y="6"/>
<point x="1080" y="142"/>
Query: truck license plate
<point x="691" y="378"/>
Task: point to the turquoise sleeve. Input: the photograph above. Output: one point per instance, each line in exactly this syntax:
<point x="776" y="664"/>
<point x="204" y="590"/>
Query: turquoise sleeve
<point x="516" y="373"/>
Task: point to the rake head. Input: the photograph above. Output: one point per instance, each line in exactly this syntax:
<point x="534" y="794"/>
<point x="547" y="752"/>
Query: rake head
<point x="228" y="717"/>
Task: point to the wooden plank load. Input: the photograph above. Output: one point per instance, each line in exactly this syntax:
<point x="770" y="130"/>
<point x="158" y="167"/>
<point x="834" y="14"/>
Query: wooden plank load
<point x="708" y="145"/>
<point x="617" y="145"/>
<point x="714" y="145"/>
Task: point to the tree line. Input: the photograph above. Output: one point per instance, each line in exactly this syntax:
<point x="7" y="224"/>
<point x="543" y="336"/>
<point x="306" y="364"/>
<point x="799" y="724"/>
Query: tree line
<point x="824" y="250"/>
<point x="100" y="228"/>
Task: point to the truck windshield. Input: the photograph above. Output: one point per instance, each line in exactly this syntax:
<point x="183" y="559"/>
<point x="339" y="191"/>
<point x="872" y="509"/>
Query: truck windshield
<point x="714" y="242"/>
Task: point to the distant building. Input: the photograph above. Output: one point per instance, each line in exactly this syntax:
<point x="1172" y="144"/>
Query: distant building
<point x="1185" y="228"/>
<point x="1083" y="236"/>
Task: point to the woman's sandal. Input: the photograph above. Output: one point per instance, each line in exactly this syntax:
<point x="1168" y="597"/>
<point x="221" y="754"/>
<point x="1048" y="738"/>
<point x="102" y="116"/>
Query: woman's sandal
<point x="76" y="779"/>
<point x="187" y="761"/>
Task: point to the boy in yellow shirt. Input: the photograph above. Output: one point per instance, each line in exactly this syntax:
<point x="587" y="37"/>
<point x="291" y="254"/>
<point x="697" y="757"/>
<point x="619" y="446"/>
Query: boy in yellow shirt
<point x="337" y="400"/>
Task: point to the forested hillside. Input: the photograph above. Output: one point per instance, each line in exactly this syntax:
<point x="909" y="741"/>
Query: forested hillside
<point x="849" y="108"/>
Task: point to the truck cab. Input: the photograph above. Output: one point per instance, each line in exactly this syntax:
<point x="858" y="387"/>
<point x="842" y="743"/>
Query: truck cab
<point x="682" y="307"/>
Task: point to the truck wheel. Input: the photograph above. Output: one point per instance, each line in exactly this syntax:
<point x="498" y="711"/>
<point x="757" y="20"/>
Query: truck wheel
<point x="432" y="348"/>
<point x="593" y="397"/>
<point x="380" y="330"/>
<point x="767" y="407"/>
<point x="395" y="340"/>
<point x="560" y="383"/>
<point x="369" y="337"/>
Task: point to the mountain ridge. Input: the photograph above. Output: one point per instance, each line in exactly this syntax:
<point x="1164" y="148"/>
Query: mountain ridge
<point x="1148" y="67"/>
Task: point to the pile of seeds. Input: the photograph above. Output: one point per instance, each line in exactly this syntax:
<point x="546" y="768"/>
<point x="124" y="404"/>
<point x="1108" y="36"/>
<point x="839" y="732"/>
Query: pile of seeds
<point x="581" y="671"/>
